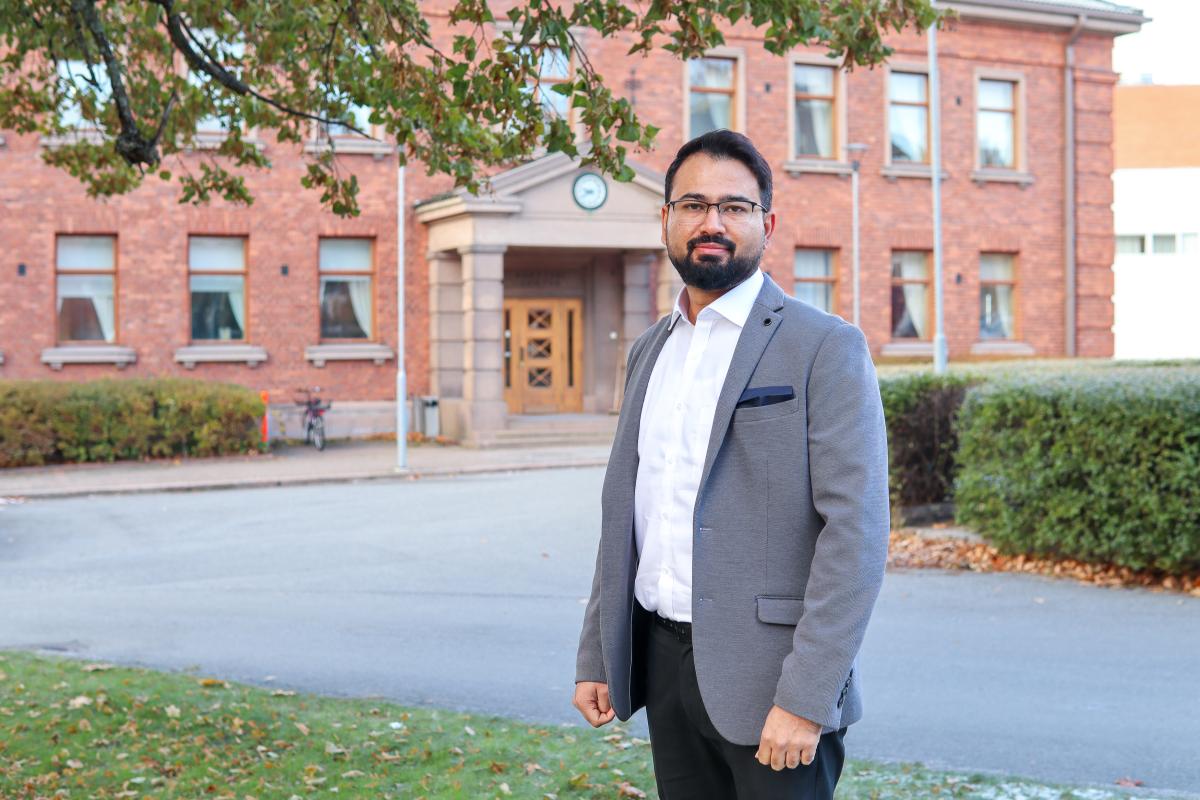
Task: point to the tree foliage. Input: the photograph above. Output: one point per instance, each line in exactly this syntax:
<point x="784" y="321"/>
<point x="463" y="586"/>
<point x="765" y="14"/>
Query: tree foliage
<point x="119" y="86"/>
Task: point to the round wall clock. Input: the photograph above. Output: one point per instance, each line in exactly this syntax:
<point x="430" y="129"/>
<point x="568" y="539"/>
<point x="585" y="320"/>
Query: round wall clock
<point x="590" y="191"/>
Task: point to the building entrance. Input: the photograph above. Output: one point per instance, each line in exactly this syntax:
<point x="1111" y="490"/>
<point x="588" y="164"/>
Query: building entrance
<point x="543" y="355"/>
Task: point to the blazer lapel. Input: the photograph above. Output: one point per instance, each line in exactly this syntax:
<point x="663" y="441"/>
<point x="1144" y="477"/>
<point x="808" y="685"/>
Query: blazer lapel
<point x="760" y="326"/>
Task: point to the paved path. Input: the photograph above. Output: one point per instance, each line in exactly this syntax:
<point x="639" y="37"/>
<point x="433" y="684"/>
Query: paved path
<point x="467" y="593"/>
<point x="289" y="465"/>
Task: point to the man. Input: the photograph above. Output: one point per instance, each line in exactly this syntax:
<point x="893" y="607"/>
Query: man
<point x="744" y="511"/>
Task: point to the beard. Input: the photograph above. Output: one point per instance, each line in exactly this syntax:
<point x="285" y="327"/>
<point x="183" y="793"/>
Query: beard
<point x="711" y="272"/>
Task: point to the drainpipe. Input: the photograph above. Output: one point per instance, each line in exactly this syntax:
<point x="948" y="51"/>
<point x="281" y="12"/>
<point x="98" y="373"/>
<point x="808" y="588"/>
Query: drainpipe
<point x="401" y="376"/>
<point x="1069" y="183"/>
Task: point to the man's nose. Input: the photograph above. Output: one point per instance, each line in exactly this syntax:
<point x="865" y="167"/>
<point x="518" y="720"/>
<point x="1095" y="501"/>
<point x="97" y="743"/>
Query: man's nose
<point x="712" y="222"/>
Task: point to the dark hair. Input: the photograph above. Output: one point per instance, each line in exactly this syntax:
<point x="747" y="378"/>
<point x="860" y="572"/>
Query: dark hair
<point x="724" y="143"/>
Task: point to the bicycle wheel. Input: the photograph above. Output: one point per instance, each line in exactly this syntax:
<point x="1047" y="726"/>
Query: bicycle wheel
<point x="317" y="428"/>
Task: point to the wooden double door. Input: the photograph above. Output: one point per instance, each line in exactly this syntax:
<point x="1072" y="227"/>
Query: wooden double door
<point x="543" y="355"/>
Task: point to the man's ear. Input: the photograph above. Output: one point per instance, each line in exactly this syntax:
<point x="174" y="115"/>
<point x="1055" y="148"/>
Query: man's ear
<point x="664" y="210"/>
<point x="768" y="227"/>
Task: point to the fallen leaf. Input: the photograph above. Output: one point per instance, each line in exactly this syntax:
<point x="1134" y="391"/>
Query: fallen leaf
<point x="1128" y="782"/>
<point x="79" y="702"/>
<point x="300" y="726"/>
<point x="96" y="667"/>
<point x="626" y="789"/>
<point x="214" y="682"/>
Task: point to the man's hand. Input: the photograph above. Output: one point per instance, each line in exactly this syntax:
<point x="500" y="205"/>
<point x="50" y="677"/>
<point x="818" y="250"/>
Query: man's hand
<point x="787" y="740"/>
<point x="591" y="699"/>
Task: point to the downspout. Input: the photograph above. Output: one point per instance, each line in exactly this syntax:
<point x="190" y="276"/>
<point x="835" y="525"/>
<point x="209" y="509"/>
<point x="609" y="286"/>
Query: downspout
<point x="401" y="375"/>
<point x="1069" y="183"/>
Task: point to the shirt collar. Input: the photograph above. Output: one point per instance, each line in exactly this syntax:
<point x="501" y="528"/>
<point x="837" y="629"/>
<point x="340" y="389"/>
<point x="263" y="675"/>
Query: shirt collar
<point x="734" y="305"/>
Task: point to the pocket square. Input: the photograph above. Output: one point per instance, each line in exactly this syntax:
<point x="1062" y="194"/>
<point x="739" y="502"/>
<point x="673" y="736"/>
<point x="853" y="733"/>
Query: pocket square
<point x="765" y="396"/>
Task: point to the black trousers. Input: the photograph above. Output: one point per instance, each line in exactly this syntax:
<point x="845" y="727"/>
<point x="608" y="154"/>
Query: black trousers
<point x="692" y="761"/>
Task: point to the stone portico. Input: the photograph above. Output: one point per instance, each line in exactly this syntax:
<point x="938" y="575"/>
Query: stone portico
<point x="534" y="300"/>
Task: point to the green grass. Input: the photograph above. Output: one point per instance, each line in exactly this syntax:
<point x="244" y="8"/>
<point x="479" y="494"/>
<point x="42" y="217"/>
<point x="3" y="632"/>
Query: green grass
<point x="69" y="729"/>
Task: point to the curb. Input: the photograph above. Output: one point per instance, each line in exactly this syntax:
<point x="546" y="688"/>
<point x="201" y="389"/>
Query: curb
<point x="267" y="483"/>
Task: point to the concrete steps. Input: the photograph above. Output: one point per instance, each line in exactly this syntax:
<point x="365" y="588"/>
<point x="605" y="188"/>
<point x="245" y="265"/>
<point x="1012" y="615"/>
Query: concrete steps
<point x="540" y="430"/>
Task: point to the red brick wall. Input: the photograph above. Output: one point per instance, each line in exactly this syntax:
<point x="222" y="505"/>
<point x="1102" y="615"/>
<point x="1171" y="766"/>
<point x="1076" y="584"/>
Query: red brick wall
<point x="814" y="211"/>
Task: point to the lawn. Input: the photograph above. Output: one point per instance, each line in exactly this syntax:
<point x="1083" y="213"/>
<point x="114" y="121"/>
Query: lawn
<point x="73" y="729"/>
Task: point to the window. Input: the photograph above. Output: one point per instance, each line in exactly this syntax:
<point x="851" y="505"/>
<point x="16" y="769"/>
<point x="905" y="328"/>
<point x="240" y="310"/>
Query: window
<point x="1187" y="242"/>
<point x="814" y="278"/>
<point x="711" y="94"/>
<point x="814" y="111"/>
<point x="910" y="295"/>
<point x="217" y="281"/>
<point x="555" y="67"/>
<point x="77" y="90"/>
<point x="908" y="116"/>
<point x="997" y="124"/>
<point x="230" y="56"/>
<point x="345" y="268"/>
<point x="997" y="284"/>
<point x="1164" y="243"/>
<point x="85" y="277"/>
<point x="1131" y="244"/>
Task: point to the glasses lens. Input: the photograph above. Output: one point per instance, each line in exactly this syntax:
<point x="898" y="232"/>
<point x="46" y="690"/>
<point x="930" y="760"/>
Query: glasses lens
<point x="736" y="210"/>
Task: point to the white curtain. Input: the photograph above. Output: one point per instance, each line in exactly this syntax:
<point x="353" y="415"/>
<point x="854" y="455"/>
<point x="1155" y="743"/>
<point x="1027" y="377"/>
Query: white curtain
<point x="98" y="289"/>
<point x="237" y="295"/>
<point x="913" y="266"/>
<point x="1004" y="299"/>
<point x="360" y="300"/>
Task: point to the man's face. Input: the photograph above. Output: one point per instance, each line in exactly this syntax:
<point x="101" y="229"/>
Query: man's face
<point x="715" y="252"/>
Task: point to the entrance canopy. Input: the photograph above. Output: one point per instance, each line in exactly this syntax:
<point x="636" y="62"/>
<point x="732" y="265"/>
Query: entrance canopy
<point x="534" y="205"/>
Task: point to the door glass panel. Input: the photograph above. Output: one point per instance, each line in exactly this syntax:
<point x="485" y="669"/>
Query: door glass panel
<point x="539" y="319"/>
<point x="538" y="348"/>
<point x="539" y="377"/>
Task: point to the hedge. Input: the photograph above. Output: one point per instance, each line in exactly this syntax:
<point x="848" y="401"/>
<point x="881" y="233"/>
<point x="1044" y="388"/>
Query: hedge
<point x="920" y="409"/>
<point x="45" y="422"/>
<point x="1098" y="466"/>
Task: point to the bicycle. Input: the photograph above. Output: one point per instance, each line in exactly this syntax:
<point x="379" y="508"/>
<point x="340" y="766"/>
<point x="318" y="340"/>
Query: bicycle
<point x="314" y="413"/>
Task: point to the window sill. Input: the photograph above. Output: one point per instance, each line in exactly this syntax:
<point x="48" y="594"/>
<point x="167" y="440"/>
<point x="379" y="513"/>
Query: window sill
<point x="907" y="349"/>
<point x="212" y="140"/>
<point x="351" y="145"/>
<point x="919" y="171"/>
<point x="92" y="135"/>
<point x="55" y="357"/>
<point x="982" y="176"/>
<point x="818" y="165"/>
<point x="1001" y="347"/>
<point x="249" y="354"/>
<point x="318" y="354"/>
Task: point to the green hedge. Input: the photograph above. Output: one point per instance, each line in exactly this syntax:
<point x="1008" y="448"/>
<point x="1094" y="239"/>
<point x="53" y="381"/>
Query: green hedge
<point x="920" y="409"/>
<point x="1099" y="466"/>
<point x="45" y="422"/>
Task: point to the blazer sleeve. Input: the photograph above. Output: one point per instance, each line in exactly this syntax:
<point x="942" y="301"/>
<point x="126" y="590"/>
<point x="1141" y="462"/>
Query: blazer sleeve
<point x="589" y="661"/>
<point x="848" y="466"/>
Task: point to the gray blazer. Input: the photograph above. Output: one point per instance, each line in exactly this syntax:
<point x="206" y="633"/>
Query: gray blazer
<point x="789" y="534"/>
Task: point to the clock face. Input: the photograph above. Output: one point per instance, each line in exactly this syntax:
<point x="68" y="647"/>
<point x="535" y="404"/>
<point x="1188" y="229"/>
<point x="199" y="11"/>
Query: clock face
<point x="590" y="191"/>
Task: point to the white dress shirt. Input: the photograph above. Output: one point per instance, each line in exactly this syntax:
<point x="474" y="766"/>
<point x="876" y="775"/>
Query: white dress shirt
<point x="676" y="422"/>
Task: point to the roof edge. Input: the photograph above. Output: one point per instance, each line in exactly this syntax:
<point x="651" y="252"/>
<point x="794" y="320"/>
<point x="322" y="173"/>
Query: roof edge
<point x="1047" y="13"/>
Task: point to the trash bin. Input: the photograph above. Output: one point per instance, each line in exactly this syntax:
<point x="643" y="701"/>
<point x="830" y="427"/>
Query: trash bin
<point x="425" y="415"/>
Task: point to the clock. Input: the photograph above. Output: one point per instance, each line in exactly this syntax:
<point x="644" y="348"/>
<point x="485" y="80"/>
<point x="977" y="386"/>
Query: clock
<point x="590" y="191"/>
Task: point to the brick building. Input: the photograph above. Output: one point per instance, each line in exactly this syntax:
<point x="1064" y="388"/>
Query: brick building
<point x="523" y="301"/>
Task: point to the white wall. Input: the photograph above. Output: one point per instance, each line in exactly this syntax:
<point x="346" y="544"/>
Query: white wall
<point x="1157" y="296"/>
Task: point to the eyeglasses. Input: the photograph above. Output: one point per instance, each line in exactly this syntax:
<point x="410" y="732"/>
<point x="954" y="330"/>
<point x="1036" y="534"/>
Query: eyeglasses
<point x="730" y="211"/>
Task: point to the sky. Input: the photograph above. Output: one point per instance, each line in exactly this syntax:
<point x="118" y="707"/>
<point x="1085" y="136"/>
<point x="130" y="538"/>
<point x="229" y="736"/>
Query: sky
<point x="1165" y="48"/>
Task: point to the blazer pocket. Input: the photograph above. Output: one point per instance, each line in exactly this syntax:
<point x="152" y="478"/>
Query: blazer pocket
<point x="769" y="411"/>
<point x="779" y="610"/>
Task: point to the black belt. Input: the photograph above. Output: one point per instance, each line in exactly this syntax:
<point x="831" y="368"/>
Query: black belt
<point x="680" y="630"/>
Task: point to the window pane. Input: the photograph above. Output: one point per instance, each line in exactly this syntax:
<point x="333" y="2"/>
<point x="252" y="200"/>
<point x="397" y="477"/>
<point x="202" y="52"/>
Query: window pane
<point x="1131" y="244"/>
<point x="222" y="253"/>
<point x="910" y="265"/>
<point x="711" y="73"/>
<point x="709" y="112"/>
<point x="814" y="128"/>
<point x="345" y="255"/>
<point x="346" y="308"/>
<point x="996" y="139"/>
<point x="907" y="87"/>
<point x="996" y="95"/>
<point x="218" y="306"/>
<point x="356" y="115"/>
<point x="908" y="131"/>
<point x="819" y="294"/>
<point x="1187" y="242"/>
<point x="910" y="311"/>
<point x="85" y="308"/>
<point x="813" y="80"/>
<point x="553" y="103"/>
<point x="75" y="81"/>
<point x="1164" y="243"/>
<point x="995" y="267"/>
<point x="996" y="312"/>
<point x="554" y="64"/>
<point x="86" y="252"/>
<point x="814" y="264"/>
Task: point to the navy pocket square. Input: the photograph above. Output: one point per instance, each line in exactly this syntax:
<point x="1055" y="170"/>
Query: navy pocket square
<point x="765" y="396"/>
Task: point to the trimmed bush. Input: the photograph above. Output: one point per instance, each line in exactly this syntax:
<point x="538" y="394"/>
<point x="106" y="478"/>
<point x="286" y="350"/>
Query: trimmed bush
<point x="46" y="422"/>
<point x="920" y="409"/>
<point x="1098" y="466"/>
